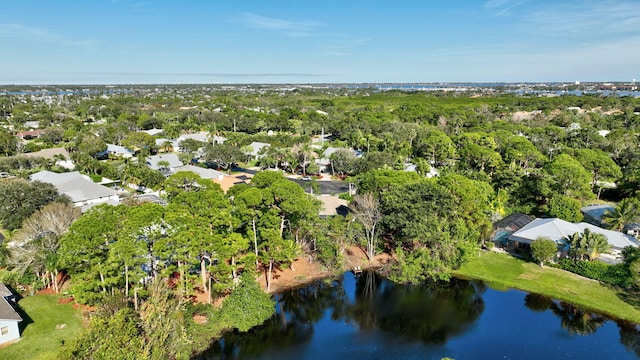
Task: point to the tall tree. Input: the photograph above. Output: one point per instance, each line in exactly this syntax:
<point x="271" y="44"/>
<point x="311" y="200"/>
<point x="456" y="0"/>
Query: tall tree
<point x="366" y="210"/>
<point x="569" y="177"/>
<point x="35" y="246"/>
<point x="8" y="143"/>
<point x="599" y="164"/>
<point x="84" y="251"/>
<point x="21" y="198"/>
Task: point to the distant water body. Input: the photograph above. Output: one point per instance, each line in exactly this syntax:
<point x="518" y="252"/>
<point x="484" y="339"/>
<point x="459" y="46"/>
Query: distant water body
<point x="371" y="318"/>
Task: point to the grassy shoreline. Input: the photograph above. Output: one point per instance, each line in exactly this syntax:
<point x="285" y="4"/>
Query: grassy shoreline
<point x="505" y="271"/>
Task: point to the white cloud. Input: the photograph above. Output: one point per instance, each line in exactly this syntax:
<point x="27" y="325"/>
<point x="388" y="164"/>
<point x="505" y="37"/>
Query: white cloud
<point x="587" y="18"/>
<point x="290" y="28"/>
<point x="503" y="7"/>
<point x="33" y="34"/>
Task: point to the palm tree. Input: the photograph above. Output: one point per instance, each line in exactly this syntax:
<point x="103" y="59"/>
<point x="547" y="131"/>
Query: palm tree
<point x="625" y="212"/>
<point x="576" y="246"/>
<point x="597" y="244"/>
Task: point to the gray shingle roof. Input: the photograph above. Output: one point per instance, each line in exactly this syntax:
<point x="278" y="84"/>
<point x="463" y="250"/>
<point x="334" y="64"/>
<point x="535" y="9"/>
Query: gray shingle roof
<point x="7" y="312"/>
<point x="74" y="185"/>
<point x="172" y="159"/>
<point x="557" y="229"/>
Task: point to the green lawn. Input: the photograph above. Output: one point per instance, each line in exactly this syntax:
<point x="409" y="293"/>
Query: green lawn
<point x="505" y="271"/>
<point x="40" y="339"/>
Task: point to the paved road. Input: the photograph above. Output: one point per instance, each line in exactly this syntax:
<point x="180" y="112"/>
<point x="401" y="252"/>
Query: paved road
<point x="326" y="187"/>
<point x="331" y="187"/>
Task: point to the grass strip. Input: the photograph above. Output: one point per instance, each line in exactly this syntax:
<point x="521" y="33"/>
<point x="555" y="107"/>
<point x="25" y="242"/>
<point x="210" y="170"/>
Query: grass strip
<point x="505" y="271"/>
<point x="40" y="338"/>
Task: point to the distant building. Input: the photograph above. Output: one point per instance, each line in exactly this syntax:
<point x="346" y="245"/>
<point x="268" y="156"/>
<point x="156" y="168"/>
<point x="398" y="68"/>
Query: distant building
<point x="119" y="151"/>
<point x="59" y="154"/>
<point x="593" y="213"/>
<point x="156" y="162"/>
<point x="152" y="132"/>
<point x="31" y="134"/>
<point x="225" y="181"/>
<point x="257" y="149"/>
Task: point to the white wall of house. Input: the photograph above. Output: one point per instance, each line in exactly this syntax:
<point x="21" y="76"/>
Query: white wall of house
<point x="9" y="331"/>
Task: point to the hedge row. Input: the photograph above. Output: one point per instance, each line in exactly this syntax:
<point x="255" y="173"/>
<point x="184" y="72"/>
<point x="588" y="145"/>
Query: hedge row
<point x="616" y="275"/>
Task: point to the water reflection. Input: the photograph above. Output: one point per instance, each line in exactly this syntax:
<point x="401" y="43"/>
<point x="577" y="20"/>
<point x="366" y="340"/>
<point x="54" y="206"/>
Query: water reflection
<point x="431" y="313"/>
<point x="573" y="319"/>
<point x="370" y="316"/>
<point x="630" y="336"/>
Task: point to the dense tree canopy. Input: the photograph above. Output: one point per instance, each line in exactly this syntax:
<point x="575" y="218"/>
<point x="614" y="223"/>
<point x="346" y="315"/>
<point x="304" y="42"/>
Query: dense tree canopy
<point x="21" y="198"/>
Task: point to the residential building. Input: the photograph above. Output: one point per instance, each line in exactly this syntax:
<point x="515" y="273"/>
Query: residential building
<point x="119" y="151"/>
<point x="558" y="230"/>
<point x="257" y="149"/>
<point x="9" y="317"/>
<point x="166" y="163"/>
<point x="81" y="190"/>
<point x="60" y="155"/>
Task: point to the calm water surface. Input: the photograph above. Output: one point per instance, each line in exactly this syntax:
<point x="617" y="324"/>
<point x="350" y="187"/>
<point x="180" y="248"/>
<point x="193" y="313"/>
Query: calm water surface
<point x="371" y="318"/>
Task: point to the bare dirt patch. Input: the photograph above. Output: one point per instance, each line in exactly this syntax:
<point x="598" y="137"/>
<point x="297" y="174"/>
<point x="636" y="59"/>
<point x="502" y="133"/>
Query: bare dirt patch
<point x="304" y="271"/>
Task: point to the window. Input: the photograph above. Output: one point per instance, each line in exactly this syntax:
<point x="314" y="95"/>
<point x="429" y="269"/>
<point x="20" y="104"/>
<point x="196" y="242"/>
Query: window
<point x="4" y="330"/>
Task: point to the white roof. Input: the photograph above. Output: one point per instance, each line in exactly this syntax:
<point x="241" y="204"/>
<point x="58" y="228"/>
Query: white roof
<point x="201" y="136"/>
<point x="172" y="159"/>
<point x="117" y="149"/>
<point x="257" y="146"/>
<point x="202" y="172"/>
<point x="152" y="132"/>
<point x="557" y="229"/>
<point x="74" y="185"/>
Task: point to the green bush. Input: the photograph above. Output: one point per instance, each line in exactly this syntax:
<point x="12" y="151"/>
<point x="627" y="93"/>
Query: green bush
<point x="247" y="305"/>
<point x="616" y="275"/>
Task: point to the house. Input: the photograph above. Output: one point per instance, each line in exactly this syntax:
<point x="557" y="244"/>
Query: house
<point x="324" y="162"/>
<point x="9" y="318"/>
<point x="256" y="149"/>
<point x="152" y="132"/>
<point x="593" y="213"/>
<point x="225" y="181"/>
<point x="204" y="173"/>
<point x="81" y="190"/>
<point x="31" y="134"/>
<point x="119" y="151"/>
<point x="502" y="229"/>
<point x="558" y="230"/>
<point x="165" y="162"/>
<point x="60" y="155"/>
<point x="202" y="136"/>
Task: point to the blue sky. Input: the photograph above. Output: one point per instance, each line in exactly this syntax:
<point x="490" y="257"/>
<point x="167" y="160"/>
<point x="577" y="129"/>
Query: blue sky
<point x="323" y="41"/>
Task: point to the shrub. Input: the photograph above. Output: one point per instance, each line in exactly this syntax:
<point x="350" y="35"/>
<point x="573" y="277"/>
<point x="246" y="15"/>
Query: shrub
<point x="616" y="275"/>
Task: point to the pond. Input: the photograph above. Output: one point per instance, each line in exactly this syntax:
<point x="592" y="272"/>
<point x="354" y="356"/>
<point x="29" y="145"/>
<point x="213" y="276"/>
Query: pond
<point x="368" y="317"/>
